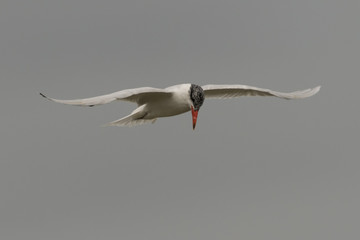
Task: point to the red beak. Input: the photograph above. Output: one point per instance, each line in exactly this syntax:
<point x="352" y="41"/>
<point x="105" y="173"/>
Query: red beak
<point x="194" y="116"/>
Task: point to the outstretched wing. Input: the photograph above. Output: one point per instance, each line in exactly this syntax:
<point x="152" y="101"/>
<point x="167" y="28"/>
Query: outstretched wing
<point x="232" y="91"/>
<point x="138" y="95"/>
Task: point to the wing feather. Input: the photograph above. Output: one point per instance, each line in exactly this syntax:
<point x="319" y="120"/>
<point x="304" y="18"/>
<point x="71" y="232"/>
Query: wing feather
<point x="138" y="95"/>
<point x="233" y="91"/>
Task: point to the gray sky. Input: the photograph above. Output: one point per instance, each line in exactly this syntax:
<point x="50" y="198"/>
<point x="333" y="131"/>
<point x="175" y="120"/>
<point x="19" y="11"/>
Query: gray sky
<point x="255" y="168"/>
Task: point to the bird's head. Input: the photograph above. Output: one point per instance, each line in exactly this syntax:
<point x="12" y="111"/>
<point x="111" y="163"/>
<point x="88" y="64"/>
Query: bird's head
<point x="197" y="98"/>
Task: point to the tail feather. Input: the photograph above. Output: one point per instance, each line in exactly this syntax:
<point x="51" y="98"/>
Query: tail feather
<point x="135" y="118"/>
<point x="130" y="122"/>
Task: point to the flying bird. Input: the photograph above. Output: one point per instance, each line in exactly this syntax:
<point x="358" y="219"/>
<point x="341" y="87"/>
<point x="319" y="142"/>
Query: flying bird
<point x="154" y="103"/>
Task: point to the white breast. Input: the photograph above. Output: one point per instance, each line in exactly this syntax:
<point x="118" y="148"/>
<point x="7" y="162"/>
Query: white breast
<point x="177" y="104"/>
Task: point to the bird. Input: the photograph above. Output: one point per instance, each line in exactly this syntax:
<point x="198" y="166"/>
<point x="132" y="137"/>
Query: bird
<point x="155" y="103"/>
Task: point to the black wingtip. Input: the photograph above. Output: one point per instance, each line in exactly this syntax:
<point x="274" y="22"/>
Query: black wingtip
<point x="43" y="95"/>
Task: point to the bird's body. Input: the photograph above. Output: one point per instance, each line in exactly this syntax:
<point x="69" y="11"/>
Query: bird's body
<point x="155" y="103"/>
<point x="174" y="104"/>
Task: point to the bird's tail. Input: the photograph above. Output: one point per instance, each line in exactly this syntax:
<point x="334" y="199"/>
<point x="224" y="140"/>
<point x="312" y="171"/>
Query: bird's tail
<point x="129" y="122"/>
<point x="135" y="118"/>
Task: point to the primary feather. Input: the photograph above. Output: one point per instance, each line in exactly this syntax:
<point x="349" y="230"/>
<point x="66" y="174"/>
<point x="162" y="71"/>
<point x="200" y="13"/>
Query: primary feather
<point x="232" y="91"/>
<point x="138" y="95"/>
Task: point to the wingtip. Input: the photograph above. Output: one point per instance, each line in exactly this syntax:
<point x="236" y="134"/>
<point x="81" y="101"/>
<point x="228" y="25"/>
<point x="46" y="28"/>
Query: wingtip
<point x="43" y="95"/>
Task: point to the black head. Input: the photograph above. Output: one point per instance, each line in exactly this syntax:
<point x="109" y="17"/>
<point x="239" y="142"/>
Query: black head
<point x="197" y="96"/>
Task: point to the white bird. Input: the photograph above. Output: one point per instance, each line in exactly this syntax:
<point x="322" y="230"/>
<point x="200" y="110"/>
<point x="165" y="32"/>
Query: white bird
<point x="154" y="103"/>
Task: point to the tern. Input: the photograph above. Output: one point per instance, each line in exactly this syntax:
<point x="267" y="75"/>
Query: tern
<point x="155" y="103"/>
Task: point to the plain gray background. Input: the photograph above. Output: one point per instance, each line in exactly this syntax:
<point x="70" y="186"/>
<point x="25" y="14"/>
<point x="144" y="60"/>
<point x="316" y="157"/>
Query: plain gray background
<point x="254" y="168"/>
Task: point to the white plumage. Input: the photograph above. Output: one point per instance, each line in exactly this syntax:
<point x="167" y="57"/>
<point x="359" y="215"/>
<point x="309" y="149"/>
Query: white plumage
<point x="154" y="102"/>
